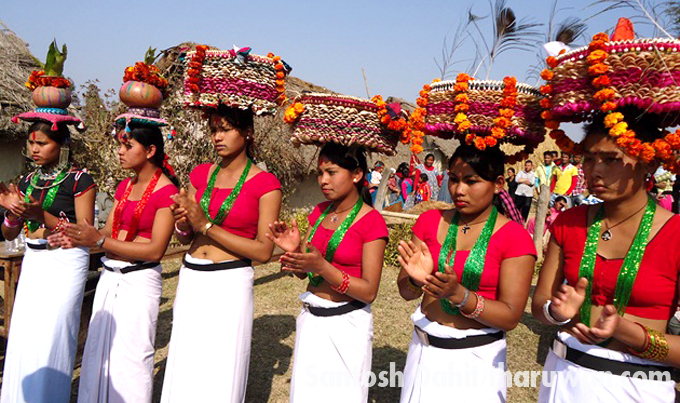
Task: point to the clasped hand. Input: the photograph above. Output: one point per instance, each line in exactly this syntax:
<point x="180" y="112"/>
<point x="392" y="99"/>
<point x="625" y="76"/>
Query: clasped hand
<point x="187" y="213"/>
<point x="12" y="201"/>
<point x="75" y="235"/>
<point x="417" y="262"/>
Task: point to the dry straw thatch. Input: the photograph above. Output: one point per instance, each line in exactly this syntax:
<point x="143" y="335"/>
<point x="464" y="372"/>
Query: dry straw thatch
<point x="16" y="64"/>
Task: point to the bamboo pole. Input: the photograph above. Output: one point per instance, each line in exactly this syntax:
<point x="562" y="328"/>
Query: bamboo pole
<point x="381" y="192"/>
<point x="541" y="213"/>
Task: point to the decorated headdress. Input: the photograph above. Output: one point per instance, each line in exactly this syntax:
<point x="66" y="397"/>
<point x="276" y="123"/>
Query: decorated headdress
<point x="321" y="118"/>
<point x="51" y="92"/>
<point x="609" y="75"/>
<point x="234" y="78"/>
<point x="142" y="93"/>
<point x="483" y="113"/>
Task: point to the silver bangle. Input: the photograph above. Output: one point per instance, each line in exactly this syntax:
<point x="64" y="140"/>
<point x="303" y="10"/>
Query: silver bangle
<point x="465" y="299"/>
<point x="549" y="317"/>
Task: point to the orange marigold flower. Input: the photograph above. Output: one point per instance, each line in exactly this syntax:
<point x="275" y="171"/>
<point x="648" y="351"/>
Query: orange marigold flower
<point x="663" y="149"/>
<point x="508" y="102"/>
<point x="480" y="143"/>
<point x="469" y="138"/>
<point x="597" y="69"/>
<point x="551" y="61"/>
<point x="597" y="56"/>
<point x="416" y="149"/>
<point x="546" y="89"/>
<point x="502" y="122"/>
<point x="461" y="108"/>
<point x="647" y="152"/>
<point x="422" y="102"/>
<point x="674" y="139"/>
<point x="612" y="119"/>
<point x="547" y="75"/>
<point x="547" y="115"/>
<point x="298" y="107"/>
<point x="618" y="129"/>
<point x="546" y="103"/>
<point x="462" y="98"/>
<point x="490" y="141"/>
<point x="608" y="106"/>
<point x="426" y="88"/>
<point x="506" y="113"/>
<point x="461" y="117"/>
<point x="462" y="77"/>
<point x="464" y="126"/>
<point x="497" y="132"/>
<point x="601" y="81"/>
<point x="601" y="37"/>
<point x="460" y="87"/>
<point x="603" y="95"/>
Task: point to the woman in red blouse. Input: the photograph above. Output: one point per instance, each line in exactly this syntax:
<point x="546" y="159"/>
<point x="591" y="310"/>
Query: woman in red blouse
<point x="599" y="332"/>
<point x="224" y="216"/>
<point x="343" y="258"/>
<point x="473" y="267"/>
<point x="118" y="358"/>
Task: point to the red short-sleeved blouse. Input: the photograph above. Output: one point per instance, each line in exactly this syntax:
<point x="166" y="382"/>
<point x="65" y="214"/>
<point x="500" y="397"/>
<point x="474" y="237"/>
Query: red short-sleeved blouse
<point x="158" y="200"/>
<point x="654" y="291"/>
<point x="511" y="240"/>
<point x="349" y="253"/>
<point x="245" y="213"/>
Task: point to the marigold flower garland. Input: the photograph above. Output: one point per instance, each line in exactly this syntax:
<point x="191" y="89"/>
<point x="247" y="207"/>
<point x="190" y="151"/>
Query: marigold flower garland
<point x="280" y="78"/>
<point x="39" y="79"/>
<point x="386" y="119"/>
<point x="660" y="149"/>
<point x="416" y="125"/>
<point x="195" y="67"/>
<point x="149" y="74"/>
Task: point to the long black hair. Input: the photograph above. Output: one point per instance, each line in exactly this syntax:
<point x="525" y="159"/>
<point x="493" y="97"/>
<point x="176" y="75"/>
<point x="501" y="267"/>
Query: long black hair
<point x="350" y="159"/>
<point x="148" y="136"/>
<point x="487" y="163"/>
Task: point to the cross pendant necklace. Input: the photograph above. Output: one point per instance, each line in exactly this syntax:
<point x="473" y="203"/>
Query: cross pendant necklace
<point x="465" y="228"/>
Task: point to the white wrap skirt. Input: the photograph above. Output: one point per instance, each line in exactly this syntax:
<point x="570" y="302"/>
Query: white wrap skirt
<point x="211" y="333"/>
<point x="332" y="357"/>
<point x="564" y="381"/>
<point x="43" y="336"/>
<point x="118" y="359"/>
<point x="432" y="374"/>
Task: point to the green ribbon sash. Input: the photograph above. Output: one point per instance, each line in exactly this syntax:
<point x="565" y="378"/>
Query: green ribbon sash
<point x="474" y="264"/>
<point x="629" y="268"/>
<point x="336" y="238"/>
<point x="228" y="203"/>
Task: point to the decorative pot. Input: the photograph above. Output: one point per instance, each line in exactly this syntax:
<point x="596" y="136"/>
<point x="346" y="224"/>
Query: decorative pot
<point x="137" y="94"/>
<point x="52" y="97"/>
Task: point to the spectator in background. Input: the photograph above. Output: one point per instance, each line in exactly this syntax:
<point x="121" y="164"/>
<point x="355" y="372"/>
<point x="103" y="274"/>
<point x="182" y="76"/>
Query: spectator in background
<point x="405" y="184"/>
<point x="547" y="173"/>
<point x="511" y="181"/>
<point x="566" y="181"/>
<point x="394" y="192"/>
<point x="444" y="194"/>
<point x="374" y="179"/>
<point x="525" y="189"/>
<point x="434" y="177"/>
<point x="663" y="188"/>
<point x="423" y="190"/>
<point x="577" y="195"/>
<point x="556" y="158"/>
<point x="559" y="206"/>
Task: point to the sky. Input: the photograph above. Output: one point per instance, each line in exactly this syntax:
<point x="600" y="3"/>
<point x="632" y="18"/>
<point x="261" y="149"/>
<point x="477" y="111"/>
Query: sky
<point x="326" y="42"/>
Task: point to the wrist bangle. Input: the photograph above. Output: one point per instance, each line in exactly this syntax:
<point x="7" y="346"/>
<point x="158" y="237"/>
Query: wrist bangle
<point x="207" y="227"/>
<point x="550" y="318"/>
<point x="466" y="297"/>
<point x="11" y="223"/>
<point x="180" y="232"/>
<point x="342" y="288"/>
<point x="656" y="346"/>
<point x="100" y="242"/>
<point x="479" y="308"/>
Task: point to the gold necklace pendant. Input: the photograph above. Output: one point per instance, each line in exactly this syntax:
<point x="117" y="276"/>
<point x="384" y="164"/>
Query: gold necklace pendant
<point x="334" y="218"/>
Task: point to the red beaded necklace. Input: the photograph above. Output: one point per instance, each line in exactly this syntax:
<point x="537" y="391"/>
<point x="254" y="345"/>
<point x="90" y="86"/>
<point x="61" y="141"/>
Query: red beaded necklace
<point x="139" y="208"/>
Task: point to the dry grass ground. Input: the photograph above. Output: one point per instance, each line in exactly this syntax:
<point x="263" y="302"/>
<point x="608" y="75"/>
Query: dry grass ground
<point x="276" y="307"/>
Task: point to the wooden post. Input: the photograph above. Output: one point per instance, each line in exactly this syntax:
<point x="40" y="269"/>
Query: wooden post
<point x="381" y="193"/>
<point x="541" y="213"/>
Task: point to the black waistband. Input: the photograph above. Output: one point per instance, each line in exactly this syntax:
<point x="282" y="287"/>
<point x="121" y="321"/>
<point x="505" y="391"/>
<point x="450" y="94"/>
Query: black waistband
<point x="232" y="264"/>
<point x="37" y="246"/>
<point x="456" y="344"/>
<point x="626" y="369"/>
<point x="340" y="310"/>
<point x="134" y="267"/>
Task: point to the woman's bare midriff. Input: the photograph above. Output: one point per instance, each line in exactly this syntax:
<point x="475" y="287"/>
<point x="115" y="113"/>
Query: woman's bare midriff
<point x="205" y="248"/>
<point x="595" y="312"/>
<point x="121" y="237"/>
<point x="432" y="309"/>
<point x="325" y="291"/>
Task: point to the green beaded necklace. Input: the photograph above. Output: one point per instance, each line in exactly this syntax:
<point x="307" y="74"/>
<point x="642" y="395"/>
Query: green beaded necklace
<point x="228" y="203"/>
<point x="336" y="238"/>
<point x="629" y="269"/>
<point x="474" y="264"/>
<point x="49" y="197"/>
